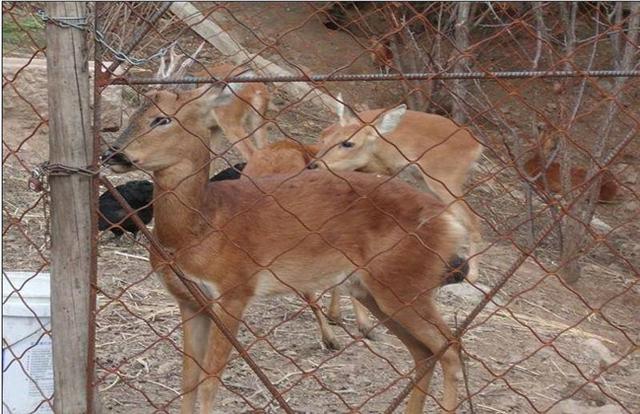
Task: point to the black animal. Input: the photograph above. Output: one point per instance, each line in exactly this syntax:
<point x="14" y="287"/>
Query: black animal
<point x="231" y="173"/>
<point x="139" y="195"/>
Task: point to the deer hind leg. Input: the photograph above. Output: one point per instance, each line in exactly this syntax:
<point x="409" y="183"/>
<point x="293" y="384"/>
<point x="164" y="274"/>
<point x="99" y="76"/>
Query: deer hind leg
<point x="229" y="310"/>
<point x="365" y="325"/>
<point x="195" y="329"/>
<point x="423" y="321"/>
<point x="335" y="313"/>
<point x="418" y="350"/>
<point x="328" y="335"/>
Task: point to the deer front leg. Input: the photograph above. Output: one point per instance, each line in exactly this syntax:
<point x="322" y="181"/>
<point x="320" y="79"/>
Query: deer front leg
<point x="365" y="326"/>
<point x="328" y="335"/>
<point x="195" y="332"/>
<point x="334" y="313"/>
<point x="229" y="310"/>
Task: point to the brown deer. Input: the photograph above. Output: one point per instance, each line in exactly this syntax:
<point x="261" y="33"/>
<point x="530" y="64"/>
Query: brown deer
<point x="288" y="157"/>
<point x="387" y="141"/>
<point x="248" y="108"/>
<point x="551" y="180"/>
<point x="382" y="241"/>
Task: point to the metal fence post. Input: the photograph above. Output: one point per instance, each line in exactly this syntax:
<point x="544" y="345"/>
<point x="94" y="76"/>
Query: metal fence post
<point x="72" y="255"/>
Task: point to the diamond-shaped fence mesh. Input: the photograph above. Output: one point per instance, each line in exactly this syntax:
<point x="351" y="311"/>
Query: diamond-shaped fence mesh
<point x="308" y="184"/>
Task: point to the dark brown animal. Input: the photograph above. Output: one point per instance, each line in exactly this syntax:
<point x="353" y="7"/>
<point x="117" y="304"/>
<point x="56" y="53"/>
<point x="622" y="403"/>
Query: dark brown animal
<point x="608" y="186"/>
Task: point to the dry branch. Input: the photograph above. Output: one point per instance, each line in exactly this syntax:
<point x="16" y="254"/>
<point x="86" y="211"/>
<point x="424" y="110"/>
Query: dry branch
<point x="462" y="43"/>
<point x="234" y="52"/>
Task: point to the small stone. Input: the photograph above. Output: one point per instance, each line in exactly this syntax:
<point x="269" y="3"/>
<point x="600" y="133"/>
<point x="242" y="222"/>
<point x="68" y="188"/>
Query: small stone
<point x="464" y="293"/>
<point x="600" y="352"/>
<point x="599" y="225"/>
<point x="278" y="101"/>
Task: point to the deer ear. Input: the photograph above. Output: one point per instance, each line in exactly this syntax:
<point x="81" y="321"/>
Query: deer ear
<point x="225" y="96"/>
<point x="345" y="114"/>
<point x="390" y="120"/>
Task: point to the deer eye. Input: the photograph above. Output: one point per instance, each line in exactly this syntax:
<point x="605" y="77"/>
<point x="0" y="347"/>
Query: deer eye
<point x="347" y="144"/>
<point x="161" y="120"/>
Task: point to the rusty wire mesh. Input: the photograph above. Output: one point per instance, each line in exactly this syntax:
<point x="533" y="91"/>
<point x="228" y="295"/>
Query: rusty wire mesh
<point x="26" y="342"/>
<point x="551" y="322"/>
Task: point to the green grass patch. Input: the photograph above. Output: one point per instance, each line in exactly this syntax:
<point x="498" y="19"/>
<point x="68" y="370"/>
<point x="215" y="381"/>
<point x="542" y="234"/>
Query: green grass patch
<point x="15" y="29"/>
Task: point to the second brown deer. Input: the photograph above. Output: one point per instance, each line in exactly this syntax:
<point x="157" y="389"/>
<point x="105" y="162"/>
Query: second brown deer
<point x="387" y="141"/>
<point x="546" y="173"/>
<point x="288" y="158"/>
<point x="244" y="117"/>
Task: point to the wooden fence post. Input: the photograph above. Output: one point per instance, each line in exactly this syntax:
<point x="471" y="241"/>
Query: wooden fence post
<point x="72" y="250"/>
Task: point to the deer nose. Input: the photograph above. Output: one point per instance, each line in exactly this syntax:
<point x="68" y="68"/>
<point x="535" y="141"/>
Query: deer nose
<point x="113" y="156"/>
<point x="313" y="166"/>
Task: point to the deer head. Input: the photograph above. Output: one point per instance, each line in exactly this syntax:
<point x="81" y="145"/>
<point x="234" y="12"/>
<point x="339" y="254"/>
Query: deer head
<point x="172" y="125"/>
<point x="349" y="144"/>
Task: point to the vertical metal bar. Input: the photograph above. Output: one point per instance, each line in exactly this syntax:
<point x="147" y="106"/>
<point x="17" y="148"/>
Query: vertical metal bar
<point x="93" y="399"/>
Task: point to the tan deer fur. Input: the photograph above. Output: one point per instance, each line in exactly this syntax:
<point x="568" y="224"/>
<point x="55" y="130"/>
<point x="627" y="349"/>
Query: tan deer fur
<point x="444" y="152"/>
<point x="238" y="243"/>
<point x="288" y="158"/>
<point x="243" y="117"/>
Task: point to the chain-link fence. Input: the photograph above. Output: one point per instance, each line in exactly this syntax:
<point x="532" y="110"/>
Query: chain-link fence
<point x="495" y="141"/>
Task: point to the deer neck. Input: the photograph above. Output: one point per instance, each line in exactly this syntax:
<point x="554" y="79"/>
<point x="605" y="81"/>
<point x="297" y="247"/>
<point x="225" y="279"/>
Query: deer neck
<point x="390" y="159"/>
<point x="179" y="193"/>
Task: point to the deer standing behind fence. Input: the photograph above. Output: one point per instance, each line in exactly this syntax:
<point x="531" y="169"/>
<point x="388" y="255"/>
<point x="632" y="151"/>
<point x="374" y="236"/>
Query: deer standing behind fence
<point x="545" y="173"/>
<point x="385" y="142"/>
<point x="289" y="158"/>
<point x="243" y="118"/>
<point x="386" y="243"/>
